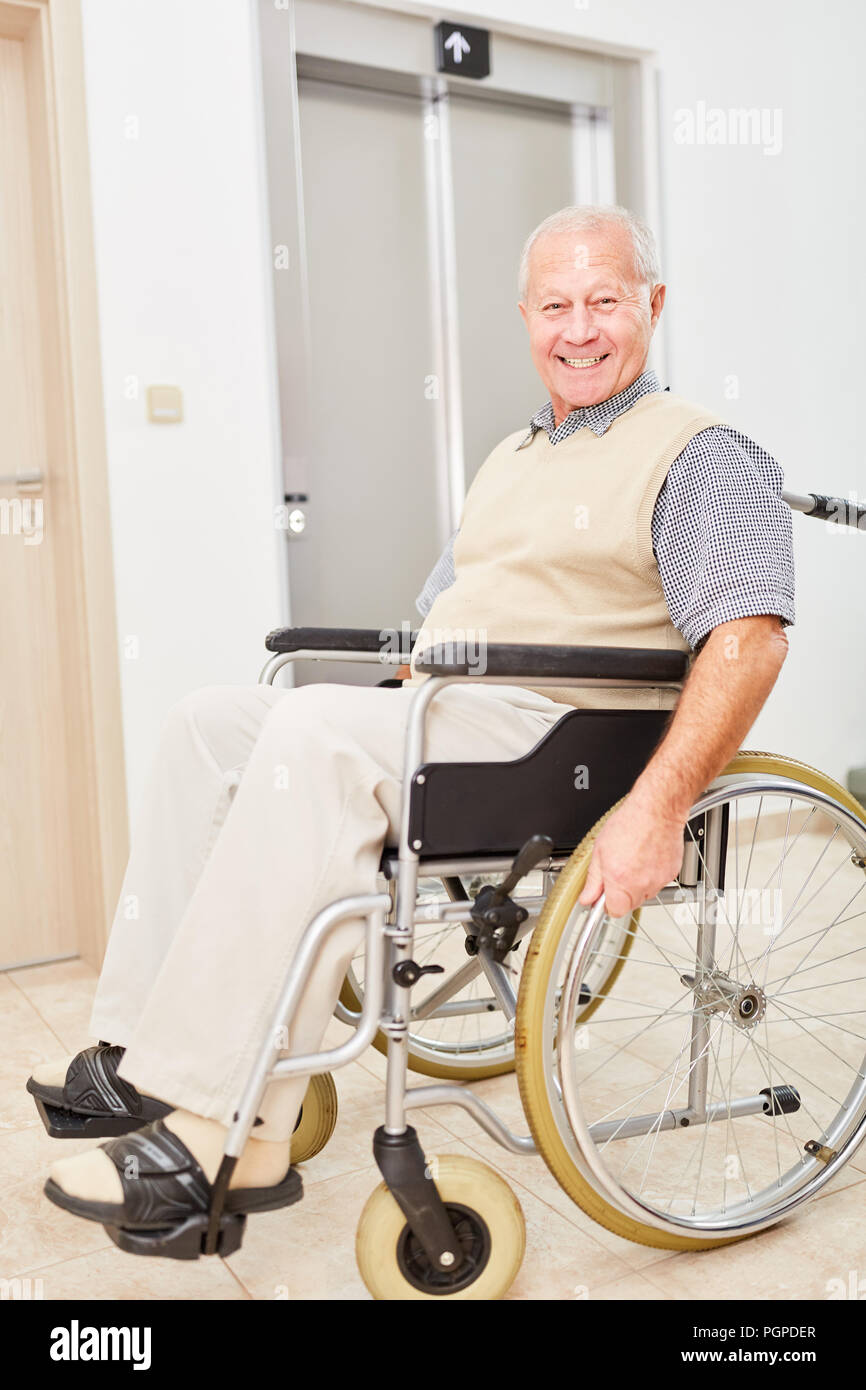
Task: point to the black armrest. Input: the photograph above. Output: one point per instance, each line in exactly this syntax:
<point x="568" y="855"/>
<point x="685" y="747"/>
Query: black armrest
<point x="575" y="663"/>
<point x="338" y="639"/>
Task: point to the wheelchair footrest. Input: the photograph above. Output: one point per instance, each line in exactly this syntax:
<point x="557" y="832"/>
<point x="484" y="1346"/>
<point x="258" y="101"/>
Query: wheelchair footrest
<point x="186" y="1241"/>
<point x="68" y="1124"/>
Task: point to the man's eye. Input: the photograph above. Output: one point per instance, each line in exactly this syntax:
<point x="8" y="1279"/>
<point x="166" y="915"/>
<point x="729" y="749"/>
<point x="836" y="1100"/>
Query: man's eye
<point x="555" y="305"/>
<point x="607" y="300"/>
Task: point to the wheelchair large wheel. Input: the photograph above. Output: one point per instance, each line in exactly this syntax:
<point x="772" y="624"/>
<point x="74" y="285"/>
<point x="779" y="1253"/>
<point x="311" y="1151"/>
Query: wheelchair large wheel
<point x="470" y="1038"/>
<point x="722" y="1083"/>
<point x="489" y="1223"/>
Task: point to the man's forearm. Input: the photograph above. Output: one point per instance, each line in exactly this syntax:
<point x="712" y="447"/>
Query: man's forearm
<point x="725" y="690"/>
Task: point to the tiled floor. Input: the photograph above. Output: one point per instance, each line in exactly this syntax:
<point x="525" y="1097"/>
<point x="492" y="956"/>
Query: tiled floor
<point x="307" y="1251"/>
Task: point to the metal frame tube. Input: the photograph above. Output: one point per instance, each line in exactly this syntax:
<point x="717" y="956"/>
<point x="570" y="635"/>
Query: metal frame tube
<point x="368" y="1021"/>
<point x="281" y="659"/>
<point x="489" y="1121"/>
<point x="637" y="1125"/>
<point x="705" y="956"/>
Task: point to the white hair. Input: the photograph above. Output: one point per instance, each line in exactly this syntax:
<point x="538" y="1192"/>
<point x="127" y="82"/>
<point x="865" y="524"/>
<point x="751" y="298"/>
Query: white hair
<point x="595" y="216"/>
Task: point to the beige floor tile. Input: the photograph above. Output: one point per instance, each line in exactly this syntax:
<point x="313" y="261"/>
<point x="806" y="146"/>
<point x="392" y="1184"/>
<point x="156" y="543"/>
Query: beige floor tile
<point x="33" y="1232"/>
<point x="628" y="1289"/>
<point x="561" y="1260"/>
<point x="795" y="1260"/>
<point x="25" y="1041"/>
<point x="62" y="993"/>
<point x="112" y="1274"/>
<point x="307" y="1251"/>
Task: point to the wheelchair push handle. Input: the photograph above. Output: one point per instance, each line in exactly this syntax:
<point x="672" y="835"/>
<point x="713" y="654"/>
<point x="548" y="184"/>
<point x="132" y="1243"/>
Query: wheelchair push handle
<point x="842" y="511"/>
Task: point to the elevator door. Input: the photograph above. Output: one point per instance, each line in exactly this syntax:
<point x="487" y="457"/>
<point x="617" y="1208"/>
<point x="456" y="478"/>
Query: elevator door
<point x="371" y="478"/>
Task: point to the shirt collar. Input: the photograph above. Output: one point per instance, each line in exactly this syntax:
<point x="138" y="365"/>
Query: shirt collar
<point x="598" y="417"/>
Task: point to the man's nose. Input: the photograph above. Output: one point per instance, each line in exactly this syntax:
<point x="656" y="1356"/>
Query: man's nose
<point x="580" y="327"/>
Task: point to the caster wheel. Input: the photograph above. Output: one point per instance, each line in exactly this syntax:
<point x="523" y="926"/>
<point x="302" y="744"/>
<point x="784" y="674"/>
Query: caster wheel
<point x="317" y="1119"/>
<point x="489" y="1222"/>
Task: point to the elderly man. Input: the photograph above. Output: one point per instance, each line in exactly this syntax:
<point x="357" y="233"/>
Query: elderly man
<point x="623" y="516"/>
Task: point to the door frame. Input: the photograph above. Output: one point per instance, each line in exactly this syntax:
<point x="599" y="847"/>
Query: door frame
<point x="50" y="32"/>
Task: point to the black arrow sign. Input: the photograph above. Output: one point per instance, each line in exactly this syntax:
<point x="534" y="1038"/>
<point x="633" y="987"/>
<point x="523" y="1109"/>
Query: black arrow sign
<point x="462" y="50"/>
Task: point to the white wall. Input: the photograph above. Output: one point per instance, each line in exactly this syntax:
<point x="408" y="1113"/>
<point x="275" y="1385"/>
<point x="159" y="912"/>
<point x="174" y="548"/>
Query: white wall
<point x="763" y="261"/>
<point x="182" y="273"/>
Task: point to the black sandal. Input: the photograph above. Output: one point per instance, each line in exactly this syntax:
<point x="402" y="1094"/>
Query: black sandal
<point x="94" y="1102"/>
<point x="169" y="1207"/>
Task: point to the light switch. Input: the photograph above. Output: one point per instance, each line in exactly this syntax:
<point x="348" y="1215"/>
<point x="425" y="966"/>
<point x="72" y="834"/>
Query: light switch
<point x="164" y="405"/>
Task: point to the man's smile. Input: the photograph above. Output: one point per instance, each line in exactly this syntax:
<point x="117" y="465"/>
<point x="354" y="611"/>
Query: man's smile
<point x="582" y="363"/>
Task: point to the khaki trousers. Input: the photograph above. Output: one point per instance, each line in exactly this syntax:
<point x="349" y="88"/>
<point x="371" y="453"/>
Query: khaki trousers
<point x="264" y="805"/>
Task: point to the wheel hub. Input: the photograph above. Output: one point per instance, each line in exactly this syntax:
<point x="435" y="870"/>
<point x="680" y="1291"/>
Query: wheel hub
<point x="474" y="1239"/>
<point x="716" y="992"/>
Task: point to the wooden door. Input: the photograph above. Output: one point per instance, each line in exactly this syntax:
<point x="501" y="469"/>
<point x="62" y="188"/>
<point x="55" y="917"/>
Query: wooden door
<point x="62" y="811"/>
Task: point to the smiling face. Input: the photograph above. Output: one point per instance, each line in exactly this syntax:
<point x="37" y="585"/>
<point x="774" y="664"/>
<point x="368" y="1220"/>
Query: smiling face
<point x="590" y="318"/>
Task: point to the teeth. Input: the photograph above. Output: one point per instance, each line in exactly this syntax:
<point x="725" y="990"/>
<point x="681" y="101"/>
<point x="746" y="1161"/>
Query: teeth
<point x="581" y="361"/>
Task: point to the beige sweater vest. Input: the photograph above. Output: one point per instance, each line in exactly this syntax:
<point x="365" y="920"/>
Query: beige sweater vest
<point x="555" y="546"/>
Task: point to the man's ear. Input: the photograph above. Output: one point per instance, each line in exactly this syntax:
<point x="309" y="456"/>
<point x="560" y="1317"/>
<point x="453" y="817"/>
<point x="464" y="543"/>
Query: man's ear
<point x="523" y="313"/>
<point x="657" y="300"/>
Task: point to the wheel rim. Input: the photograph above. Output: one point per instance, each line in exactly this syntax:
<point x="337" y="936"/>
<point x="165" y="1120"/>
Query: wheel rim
<point x="780" y="1003"/>
<point x="473" y="1236"/>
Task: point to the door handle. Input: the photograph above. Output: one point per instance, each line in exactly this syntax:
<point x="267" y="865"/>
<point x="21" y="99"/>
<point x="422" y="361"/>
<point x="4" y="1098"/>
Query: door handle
<point x="296" y="514"/>
<point x="31" y="481"/>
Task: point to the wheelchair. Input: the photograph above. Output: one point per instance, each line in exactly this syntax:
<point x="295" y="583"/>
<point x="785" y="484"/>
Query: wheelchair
<point x="691" y="1073"/>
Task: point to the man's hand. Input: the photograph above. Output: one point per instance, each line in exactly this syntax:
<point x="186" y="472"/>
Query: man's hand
<point x="640" y="848"/>
<point x="637" y="852"/>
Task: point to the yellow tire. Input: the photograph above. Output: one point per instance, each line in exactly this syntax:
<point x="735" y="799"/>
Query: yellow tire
<point x="530" y="1041"/>
<point x="488" y="1218"/>
<point x="317" y="1119"/>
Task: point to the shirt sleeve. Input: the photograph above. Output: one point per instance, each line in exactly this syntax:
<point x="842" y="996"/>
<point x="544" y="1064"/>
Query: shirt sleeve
<point x="722" y="535"/>
<point x="440" y="578"/>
